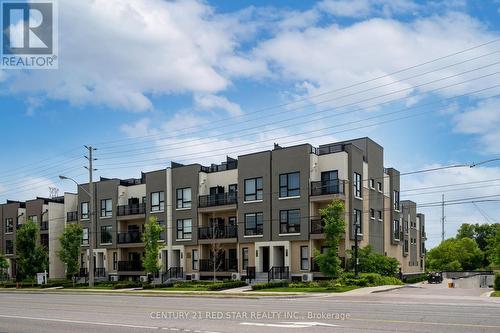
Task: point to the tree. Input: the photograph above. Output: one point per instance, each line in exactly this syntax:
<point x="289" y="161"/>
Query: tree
<point x="69" y="253"/>
<point x="151" y="237"/>
<point x="334" y="229"/>
<point x="484" y="235"/>
<point x="372" y="262"/>
<point x="4" y="265"/>
<point x="493" y="251"/>
<point x="32" y="258"/>
<point x="455" y="254"/>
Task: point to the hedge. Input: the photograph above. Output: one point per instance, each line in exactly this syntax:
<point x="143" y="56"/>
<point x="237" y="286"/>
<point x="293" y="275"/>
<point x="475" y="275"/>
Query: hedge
<point x="497" y="282"/>
<point x="269" y="285"/>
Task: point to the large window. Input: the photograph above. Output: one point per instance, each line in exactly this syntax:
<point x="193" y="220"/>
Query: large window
<point x="244" y="256"/>
<point x="106" y="237"/>
<point x="358" y="220"/>
<point x="184" y="197"/>
<point x="85" y="210"/>
<point x="396" y="200"/>
<point x="290" y="184"/>
<point x="184" y="229"/>
<point x="85" y="238"/>
<point x="163" y="233"/>
<point x="33" y="218"/>
<point x="253" y="189"/>
<point x="357" y="185"/>
<point x="9" y="246"/>
<point x="106" y="207"/>
<point x="304" y="258"/>
<point x="195" y="260"/>
<point x="289" y="221"/>
<point x="9" y="225"/>
<point x="395" y="229"/>
<point x="254" y="224"/>
<point x="158" y="201"/>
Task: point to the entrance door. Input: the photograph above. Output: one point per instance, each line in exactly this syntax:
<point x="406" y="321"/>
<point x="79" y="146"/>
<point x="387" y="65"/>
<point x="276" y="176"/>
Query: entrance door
<point x="265" y="258"/>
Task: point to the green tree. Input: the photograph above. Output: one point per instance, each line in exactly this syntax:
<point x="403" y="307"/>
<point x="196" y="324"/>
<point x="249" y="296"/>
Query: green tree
<point x="455" y="254"/>
<point x="484" y="235"/>
<point x="4" y="265"/>
<point x="151" y="237"/>
<point x="334" y="229"/>
<point x="372" y="262"/>
<point x="32" y="258"/>
<point x="69" y="253"/>
<point x="493" y="250"/>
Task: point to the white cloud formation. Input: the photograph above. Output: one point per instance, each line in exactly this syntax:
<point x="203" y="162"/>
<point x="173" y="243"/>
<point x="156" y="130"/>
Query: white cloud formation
<point x="210" y="101"/>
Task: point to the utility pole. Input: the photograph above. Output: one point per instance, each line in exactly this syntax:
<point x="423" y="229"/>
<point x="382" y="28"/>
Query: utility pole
<point x="93" y="217"/>
<point x="442" y="218"/>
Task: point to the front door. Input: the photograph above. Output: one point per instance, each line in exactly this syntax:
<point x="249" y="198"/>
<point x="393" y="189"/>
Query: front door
<point x="265" y="258"/>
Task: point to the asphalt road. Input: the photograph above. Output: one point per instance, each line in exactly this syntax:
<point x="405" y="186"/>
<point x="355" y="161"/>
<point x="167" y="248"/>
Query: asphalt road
<point x="406" y="310"/>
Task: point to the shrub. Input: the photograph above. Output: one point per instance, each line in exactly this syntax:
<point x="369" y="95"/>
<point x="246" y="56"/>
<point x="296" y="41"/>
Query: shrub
<point x="226" y="285"/>
<point x="415" y="278"/>
<point x="268" y="285"/>
<point x="372" y="262"/>
<point x="127" y="284"/>
<point x="497" y="282"/>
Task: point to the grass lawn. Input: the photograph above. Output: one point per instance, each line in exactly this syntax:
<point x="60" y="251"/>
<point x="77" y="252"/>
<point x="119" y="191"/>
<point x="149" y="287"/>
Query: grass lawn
<point x="340" y="289"/>
<point x="495" y="294"/>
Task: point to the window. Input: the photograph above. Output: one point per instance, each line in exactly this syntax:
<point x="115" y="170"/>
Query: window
<point x="406" y="227"/>
<point x="195" y="260"/>
<point x="396" y="200"/>
<point x="254" y="224"/>
<point x="106" y="207"/>
<point x="304" y="258"/>
<point x="379" y="186"/>
<point x="184" y="197"/>
<point x="115" y="260"/>
<point x="405" y="249"/>
<point x="357" y="185"/>
<point x="253" y="189"/>
<point x="357" y="219"/>
<point x="289" y="221"/>
<point x="158" y="201"/>
<point x="290" y="185"/>
<point x="244" y="256"/>
<point x="106" y="237"/>
<point x="184" y="229"/>
<point x="33" y="218"/>
<point x="163" y="234"/>
<point x="9" y="225"/>
<point x="85" y="238"/>
<point x="380" y="216"/>
<point x="372" y="213"/>
<point x="395" y="229"/>
<point x="372" y="183"/>
<point x="9" y="246"/>
<point x="85" y="210"/>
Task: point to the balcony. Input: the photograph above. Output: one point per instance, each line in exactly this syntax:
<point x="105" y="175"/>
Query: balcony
<point x="71" y="216"/>
<point x="228" y="231"/>
<point x="129" y="237"/>
<point x="44" y="225"/>
<point x="225" y="265"/>
<point x="220" y="199"/>
<point x="327" y="187"/>
<point x="317" y="226"/>
<point x="130" y="266"/>
<point x="134" y="209"/>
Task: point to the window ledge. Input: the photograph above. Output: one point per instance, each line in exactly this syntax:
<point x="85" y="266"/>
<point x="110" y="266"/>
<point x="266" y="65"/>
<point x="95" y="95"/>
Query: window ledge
<point x="380" y="220"/>
<point x="184" y="240"/>
<point x="186" y="208"/>
<point x="252" y="201"/>
<point x="156" y="211"/>
<point x="372" y="218"/>
<point x="105" y="243"/>
<point x="105" y="217"/>
<point x="252" y="236"/>
<point x="290" y="234"/>
<point x="359" y="198"/>
<point x="288" y="198"/>
<point x="86" y="219"/>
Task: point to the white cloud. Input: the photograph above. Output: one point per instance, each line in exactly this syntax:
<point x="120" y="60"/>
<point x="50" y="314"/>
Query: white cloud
<point x="209" y="101"/>
<point x="364" y="8"/>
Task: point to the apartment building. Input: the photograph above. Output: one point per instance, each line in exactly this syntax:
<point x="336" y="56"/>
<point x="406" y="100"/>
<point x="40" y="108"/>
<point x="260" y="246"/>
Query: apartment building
<point x="255" y="216"/>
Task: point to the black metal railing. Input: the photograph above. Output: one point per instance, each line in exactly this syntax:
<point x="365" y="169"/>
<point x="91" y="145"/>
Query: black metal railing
<point x="129" y="237"/>
<point x="317" y="226"/>
<point x="72" y="216"/>
<point x="228" y="231"/>
<point x="100" y="272"/>
<point x="173" y="273"/>
<point x="335" y="186"/>
<point x="44" y="225"/>
<point x="133" y="209"/>
<point x="227" y="265"/>
<point x="130" y="266"/>
<point x="278" y="273"/>
<point x="219" y="199"/>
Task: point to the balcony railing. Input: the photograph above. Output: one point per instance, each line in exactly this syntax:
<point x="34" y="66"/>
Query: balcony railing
<point x="335" y="186"/>
<point x="228" y="231"/>
<point x="133" y="209"/>
<point x="317" y="226"/>
<point x="278" y="273"/>
<point x="130" y="266"/>
<point x="44" y="225"/>
<point x="129" y="237"/>
<point x="227" y="265"/>
<point x="220" y="199"/>
<point x="172" y="273"/>
<point x="100" y="272"/>
<point x="72" y="216"/>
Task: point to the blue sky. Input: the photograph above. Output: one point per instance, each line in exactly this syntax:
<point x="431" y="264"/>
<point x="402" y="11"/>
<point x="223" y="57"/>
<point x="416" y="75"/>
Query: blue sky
<point x="161" y="69"/>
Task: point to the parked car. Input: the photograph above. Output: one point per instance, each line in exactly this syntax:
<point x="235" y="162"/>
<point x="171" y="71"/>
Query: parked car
<point x="435" y="277"/>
